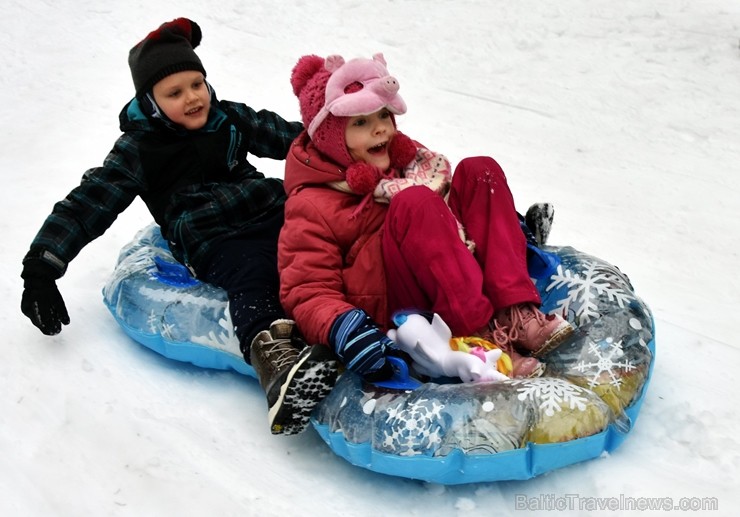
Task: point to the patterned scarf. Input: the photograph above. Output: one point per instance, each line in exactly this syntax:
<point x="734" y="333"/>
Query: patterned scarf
<point x="427" y="168"/>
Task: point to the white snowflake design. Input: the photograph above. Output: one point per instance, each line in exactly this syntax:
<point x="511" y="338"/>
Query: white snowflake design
<point x="225" y="340"/>
<point x="153" y="321"/>
<point x="411" y="429"/>
<point x="605" y="355"/>
<point x="552" y="393"/>
<point x="586" y="289"/>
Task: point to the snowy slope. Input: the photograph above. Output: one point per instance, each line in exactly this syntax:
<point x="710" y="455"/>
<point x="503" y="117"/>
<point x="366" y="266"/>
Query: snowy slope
<point x="623" y="114"/>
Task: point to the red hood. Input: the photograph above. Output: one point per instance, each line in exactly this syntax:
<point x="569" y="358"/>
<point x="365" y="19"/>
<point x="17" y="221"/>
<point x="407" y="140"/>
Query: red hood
<point x="304" y="166"/>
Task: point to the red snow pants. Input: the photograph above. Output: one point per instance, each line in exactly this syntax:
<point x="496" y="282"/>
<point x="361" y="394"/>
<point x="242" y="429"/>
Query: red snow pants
<point x="428" y="267"/>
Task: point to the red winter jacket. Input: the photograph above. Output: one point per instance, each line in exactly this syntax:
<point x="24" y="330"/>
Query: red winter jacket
<point x="329" y="262"/>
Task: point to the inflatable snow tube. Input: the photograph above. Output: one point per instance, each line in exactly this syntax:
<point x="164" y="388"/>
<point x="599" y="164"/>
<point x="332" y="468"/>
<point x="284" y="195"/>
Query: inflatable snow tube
<point x="585" y="405"/>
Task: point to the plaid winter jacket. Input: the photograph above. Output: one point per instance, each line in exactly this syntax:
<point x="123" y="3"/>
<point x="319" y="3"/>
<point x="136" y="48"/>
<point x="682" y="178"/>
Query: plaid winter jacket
<point x="198" y="185"/>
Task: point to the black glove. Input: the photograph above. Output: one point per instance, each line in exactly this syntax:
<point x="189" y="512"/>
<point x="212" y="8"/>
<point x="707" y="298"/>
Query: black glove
<point x="41" y="301"/>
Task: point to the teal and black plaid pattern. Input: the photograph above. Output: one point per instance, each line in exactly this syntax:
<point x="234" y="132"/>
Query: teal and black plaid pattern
<point x="199" y="213"/>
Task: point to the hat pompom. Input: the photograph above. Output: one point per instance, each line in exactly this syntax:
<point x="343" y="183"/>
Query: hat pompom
<point x="304" y="70"/>
<point x="402" y="150"/>
<point x="188" y="28"/>
<point x="362" y="177"/>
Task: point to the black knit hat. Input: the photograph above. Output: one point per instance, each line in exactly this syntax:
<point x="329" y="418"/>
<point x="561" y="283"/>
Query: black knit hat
<point x="165" y="51"/>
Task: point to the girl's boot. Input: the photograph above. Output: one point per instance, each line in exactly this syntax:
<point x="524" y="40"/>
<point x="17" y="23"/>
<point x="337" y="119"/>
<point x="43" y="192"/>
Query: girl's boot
<point x="528" y="328"/>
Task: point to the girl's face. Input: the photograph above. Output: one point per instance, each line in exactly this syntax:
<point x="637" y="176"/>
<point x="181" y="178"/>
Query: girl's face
<point x="184" y="98"/>
<point x="367" y="138"/>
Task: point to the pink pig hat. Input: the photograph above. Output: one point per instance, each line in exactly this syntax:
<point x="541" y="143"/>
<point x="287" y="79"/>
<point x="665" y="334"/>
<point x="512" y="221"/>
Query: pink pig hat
<point x="379" y="89"/>
<point x="331" y="88"/>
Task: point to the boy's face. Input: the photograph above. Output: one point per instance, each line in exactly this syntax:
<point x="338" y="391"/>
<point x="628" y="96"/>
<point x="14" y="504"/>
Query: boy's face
<point x="367" y="138"/>
<point x="184" y="98"/>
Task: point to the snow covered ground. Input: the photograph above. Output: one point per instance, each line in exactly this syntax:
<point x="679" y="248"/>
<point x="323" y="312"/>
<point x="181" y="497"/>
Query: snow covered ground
<point x="623" y="114"/>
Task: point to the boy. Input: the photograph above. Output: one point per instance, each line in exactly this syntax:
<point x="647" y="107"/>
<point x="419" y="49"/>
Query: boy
<point x="184" y="153"/>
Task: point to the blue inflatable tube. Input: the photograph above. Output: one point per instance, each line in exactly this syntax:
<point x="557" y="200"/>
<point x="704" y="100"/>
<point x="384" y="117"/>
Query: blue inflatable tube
<point x="586" y="404"/>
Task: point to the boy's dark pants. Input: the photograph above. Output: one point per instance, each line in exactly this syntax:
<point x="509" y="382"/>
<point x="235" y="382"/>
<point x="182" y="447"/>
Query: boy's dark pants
<point x="245" y="266"/>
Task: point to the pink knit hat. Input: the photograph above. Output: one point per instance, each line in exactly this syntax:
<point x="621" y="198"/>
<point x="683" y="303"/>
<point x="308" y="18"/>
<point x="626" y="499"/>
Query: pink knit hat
<point x="331" y="90"/>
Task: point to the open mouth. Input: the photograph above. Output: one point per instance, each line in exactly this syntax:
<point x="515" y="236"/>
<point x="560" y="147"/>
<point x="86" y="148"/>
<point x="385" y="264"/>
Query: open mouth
<point x="377" y="149"/>
<point x="193" y="111"/>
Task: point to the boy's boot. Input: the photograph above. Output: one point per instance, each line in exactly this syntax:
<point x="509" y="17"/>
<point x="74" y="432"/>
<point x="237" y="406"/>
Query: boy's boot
<point x="527" y="328"/>
<point x="295" y="377"/>
<point x="539" y="219"/>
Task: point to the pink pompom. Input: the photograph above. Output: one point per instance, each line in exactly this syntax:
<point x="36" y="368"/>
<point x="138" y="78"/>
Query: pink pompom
<point x="401" y="150"/>
<point x="362" y="177"/>
<point x="304" y="70"/>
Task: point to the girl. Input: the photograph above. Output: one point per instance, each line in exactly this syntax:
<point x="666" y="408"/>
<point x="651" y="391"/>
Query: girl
<point x="376" y="223"/>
